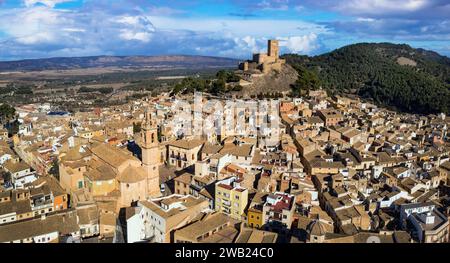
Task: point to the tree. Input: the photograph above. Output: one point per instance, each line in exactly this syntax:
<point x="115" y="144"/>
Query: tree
<point x="136" y="127"/>
<point x="54" y="170"/>
<point x="7" y="112"/>
<point x="218" y="87"/>
<point x="6" y="176"/>
<point x="307" y="80"/>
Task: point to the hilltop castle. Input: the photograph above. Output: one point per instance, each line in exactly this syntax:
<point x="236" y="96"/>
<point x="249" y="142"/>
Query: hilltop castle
<point x="263" y="62"/>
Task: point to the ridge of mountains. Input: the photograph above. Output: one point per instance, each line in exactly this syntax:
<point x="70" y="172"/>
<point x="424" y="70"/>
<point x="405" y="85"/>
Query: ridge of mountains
<point x="128" y="62"/>
<point x="393" y="75"/>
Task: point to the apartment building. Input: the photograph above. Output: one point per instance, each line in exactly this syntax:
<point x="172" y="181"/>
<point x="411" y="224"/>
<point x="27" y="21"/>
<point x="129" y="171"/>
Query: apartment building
<point x="183" y="153"/>
<point x="231" y="198"/>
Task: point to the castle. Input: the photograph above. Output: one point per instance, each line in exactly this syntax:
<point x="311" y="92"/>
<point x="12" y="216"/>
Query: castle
<point x="263" y="62"/>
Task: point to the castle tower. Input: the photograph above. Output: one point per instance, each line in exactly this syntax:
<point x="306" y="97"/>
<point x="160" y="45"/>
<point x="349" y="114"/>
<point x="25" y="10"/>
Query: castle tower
<point x="150" y="153"/>
<point x="273" y="50"/>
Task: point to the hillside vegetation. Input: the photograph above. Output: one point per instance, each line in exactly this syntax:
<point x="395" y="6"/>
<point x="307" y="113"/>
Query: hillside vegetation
<point x="412" y="80"/>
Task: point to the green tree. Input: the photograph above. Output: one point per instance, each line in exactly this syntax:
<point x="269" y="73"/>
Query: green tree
<point x="218" y="87"/>
<point x="136" y="127"/>
<point x="7" y="112"/>
<point x="54" y="170"/>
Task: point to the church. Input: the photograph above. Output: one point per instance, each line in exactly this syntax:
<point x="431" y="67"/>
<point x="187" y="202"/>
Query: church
<point x="115" y="176"/>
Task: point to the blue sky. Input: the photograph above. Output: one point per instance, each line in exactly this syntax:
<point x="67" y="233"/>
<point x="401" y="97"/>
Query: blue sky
<point x="228" y="28"/>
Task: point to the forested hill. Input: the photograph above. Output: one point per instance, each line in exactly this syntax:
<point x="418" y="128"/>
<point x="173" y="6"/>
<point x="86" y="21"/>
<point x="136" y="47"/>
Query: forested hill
<point x="413" y="80"/>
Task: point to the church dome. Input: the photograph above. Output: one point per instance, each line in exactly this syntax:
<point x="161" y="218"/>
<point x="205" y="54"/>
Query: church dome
<point x="316" y="228"/>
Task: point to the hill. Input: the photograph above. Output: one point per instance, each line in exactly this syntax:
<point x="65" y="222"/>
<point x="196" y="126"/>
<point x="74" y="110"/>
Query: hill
<point x="412" y="80"/>
<point x="128" y="62"/>
<point x="281" y="80"/>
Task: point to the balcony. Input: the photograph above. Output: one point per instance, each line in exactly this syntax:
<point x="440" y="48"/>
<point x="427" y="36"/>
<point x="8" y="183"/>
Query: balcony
<point x="177" y="157"/>
<point x="226" y="203"/>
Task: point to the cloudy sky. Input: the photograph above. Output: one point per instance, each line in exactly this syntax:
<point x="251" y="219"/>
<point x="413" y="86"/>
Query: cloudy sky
<point x="229" y="28"/>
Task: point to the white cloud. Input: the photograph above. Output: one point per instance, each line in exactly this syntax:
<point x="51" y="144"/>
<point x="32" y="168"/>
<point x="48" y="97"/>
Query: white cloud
<point x="33" y="25"/>
<point x="131" y="35"/>
<point x="365" y="19"/>
<point x="273" y="5"/>
<point x="247" y="44"/>
<point x="49" y="3"/>
<point x="138" y="28"/>
<point x="300" y="44"/>
<point x="384" y="8"/>
<point x="255" y="27"/>
<point x="42" y="31"/>
<point x="377" y="6"/>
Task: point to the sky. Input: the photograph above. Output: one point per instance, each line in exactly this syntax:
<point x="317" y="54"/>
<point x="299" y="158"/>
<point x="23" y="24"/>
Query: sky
<point x="225" y="28"/>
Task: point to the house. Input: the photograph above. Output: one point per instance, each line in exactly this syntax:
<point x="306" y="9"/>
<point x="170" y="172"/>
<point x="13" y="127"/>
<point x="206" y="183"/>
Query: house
<point x="7" y="154"/>
<point x="183" y="183"/>
<point x="72" y="166"/>
<point x="46" y="229"/>
<point x="255" y="236"/>
<point x="60" y="196"/>
<point x="426" y="223"/>
<point x="183" y="153"/>
<point x="158" y="218"/>
<point x="212" y="228"/>
<point x="88" y="220"/>
<point x="21" y="173"/>
<point x="331" y="117"/>
<point x="255" y="216"/>
<point x="278" y="211"/>
<point x="231" y="198"/>
<point x="15" y="205"/>
<point x="241" y="154"/>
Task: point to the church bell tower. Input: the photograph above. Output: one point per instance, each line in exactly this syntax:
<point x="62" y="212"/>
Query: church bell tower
<point x="150" y="153"/>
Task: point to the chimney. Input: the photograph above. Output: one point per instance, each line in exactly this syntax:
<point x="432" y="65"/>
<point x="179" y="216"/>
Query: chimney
<point x="71" y="142"/>
<point x="429" y="219"/>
